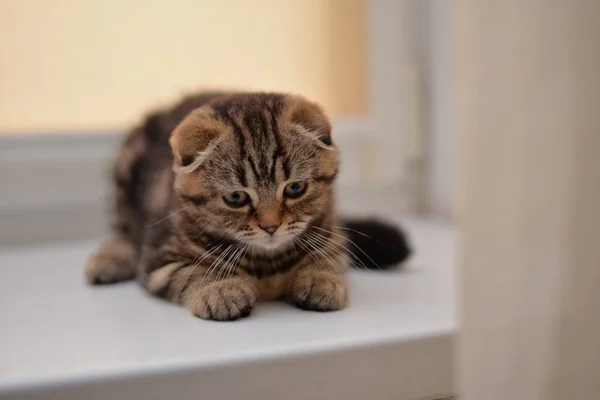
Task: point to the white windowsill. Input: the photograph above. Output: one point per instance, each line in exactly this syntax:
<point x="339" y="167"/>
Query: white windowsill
<point x="62" y="339"/>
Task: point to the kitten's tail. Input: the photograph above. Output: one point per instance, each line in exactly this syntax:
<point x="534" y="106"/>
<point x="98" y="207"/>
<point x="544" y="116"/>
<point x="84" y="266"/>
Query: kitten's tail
<point x="376" y="244"/>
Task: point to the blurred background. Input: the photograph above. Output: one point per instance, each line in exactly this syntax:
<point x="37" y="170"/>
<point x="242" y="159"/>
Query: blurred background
<point x="482" y="115"/>
<point x="75" y="75"/>
<point x="111" y="61"/>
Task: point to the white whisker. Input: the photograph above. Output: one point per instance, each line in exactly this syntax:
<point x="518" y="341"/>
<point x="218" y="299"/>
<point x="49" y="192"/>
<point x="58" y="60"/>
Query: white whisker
<point x="330" y="257"/>
<point x="355" y="245"/>
<point x="195" y="265"/>
<point x="236" y="261"/>
<point x="345" y="228"/>
<point x="167" y="217"/>
<point x="312" y="253"/>
<point x="214" y="265"/>
<point x="354" y="257"/>
<point x="229" y="261"/>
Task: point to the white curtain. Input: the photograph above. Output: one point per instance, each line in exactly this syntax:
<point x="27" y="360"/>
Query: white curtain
<point x="528" y="127"/>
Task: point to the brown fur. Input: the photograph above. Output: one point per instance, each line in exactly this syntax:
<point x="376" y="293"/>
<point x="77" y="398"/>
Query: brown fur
<point x="177" y="234"/>
<point x="114" y="261"/>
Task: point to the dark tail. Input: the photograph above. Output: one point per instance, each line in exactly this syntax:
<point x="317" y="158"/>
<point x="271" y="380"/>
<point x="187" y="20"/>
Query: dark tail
<point x="376" y="244"/>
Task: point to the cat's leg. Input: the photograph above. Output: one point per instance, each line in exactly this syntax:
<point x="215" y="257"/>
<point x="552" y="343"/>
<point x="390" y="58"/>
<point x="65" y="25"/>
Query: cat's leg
<point x="116" y="259"/>
<point x="113" y="262"/>
<point x="321" y="285"/>
<point x="225" y="296"/>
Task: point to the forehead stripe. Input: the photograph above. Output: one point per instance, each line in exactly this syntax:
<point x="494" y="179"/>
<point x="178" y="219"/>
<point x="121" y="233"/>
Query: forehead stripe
<point x="237" y="130"/>
<point x="254" y="170"/>
<point x="285" y="163"/>
<point x="275" y="109"/>
<point x="241" y="175"/>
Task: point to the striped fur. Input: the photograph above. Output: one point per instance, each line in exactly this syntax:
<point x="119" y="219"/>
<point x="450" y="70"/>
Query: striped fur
<point x="174" y="231"/>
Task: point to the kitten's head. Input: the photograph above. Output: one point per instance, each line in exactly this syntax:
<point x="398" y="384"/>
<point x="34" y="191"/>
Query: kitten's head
<point x="256" y="168"/>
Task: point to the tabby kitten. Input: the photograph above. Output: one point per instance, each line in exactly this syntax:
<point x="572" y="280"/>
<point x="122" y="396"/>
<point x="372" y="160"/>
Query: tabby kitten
<point x="226" y="200"/>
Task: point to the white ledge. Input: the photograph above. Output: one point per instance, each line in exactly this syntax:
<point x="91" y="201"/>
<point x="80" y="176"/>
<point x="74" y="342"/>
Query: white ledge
<point x="62" y="339"/>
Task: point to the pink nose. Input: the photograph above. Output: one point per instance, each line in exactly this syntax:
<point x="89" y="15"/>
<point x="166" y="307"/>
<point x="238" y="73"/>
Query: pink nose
<point x="270" y="229"/>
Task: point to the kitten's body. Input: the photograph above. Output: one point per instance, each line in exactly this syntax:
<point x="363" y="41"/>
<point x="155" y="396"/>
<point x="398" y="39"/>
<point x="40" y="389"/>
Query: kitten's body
<point x="177" y="231"/>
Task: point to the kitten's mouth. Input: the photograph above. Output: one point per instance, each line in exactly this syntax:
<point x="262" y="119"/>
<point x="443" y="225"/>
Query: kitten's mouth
<point x="272" y="242"/>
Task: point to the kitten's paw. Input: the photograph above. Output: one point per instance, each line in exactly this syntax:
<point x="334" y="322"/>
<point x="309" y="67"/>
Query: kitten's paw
<point x="319" y="291"/>
<point x="113" y="262"/>
<point x="226" y="300"/>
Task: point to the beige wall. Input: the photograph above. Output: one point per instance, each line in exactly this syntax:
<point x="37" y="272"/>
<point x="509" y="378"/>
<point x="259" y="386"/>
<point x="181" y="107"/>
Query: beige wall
<point x="72" y="64"/>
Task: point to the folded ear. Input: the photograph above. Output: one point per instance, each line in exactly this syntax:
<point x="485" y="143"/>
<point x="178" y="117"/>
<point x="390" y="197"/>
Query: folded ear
<point x="194" y="138"/>
<point x="308" y="118"/>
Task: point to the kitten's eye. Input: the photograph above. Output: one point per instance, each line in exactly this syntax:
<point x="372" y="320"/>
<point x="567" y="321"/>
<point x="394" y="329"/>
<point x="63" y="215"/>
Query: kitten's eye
<point x="236" y="199"/>
<point x="295" y="189"/>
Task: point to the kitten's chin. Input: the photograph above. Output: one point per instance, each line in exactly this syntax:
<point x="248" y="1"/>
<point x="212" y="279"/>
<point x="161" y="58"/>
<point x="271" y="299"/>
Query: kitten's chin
<point x="273" y="242"/>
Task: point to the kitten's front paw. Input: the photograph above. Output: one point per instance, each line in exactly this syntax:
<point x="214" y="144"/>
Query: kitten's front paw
<point x="319" y="291"/>
<point x="226" y="300"/>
